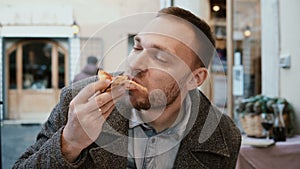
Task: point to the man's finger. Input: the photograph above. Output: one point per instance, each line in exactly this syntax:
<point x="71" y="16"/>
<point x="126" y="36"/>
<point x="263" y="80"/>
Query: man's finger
<point x="90" y="90"/>
<point x="97" y="102"/>
<point x="104" y="98"/>
<point x="108" y="112"/>
<point x="105" y="108"/>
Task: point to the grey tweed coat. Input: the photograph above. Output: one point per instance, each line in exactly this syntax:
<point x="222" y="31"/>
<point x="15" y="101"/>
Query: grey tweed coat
<point x="198" y="149"/>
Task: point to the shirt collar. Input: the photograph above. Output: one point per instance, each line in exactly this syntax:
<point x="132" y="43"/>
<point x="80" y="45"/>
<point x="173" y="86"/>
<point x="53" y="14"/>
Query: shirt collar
<point x="177" y="128"/>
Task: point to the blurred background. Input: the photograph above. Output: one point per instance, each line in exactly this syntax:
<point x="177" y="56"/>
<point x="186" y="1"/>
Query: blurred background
<point x="43" y="45"/>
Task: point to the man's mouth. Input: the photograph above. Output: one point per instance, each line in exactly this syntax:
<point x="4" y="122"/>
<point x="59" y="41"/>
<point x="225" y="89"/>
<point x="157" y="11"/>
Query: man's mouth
<point x="136" y="80"/>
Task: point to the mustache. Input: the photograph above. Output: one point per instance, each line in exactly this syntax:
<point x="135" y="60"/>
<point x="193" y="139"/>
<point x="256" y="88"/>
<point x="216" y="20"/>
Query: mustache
<point x="136" y="74"/>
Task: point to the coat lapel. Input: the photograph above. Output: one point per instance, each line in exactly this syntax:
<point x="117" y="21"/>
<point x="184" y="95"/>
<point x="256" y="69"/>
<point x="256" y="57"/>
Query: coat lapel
<point x="112" y="144"/>
<point x="105" y="159"/>
<point x="203" y="135"/>
<point x="113" y="155"/>
<point x="186" y="159"/>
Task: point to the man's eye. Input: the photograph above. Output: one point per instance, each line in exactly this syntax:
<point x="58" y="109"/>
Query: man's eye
<point x="160" y="58"/>
<point x="137" y="48"/>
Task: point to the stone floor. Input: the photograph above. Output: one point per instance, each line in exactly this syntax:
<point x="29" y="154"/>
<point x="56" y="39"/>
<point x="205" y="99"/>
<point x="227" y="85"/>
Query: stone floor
<point x="15" y="138"/>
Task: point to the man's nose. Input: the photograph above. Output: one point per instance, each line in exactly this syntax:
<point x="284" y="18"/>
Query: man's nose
<point x="138" y="62"/>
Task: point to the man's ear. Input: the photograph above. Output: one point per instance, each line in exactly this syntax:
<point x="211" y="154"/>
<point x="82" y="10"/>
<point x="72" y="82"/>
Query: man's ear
<point x="198" y="77"/>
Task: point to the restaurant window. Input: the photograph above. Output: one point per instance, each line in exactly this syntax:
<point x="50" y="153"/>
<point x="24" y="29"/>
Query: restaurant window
<point x="37" y="66"/>
<point x="218" y="67"/>
<point x="242" y="67"/>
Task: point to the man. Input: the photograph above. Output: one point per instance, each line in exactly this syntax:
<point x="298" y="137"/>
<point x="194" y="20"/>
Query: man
<point x="90" y="69"/>
<point x="175" y="127"/>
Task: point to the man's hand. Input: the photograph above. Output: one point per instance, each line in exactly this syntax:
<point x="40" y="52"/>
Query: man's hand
<point x="87" y="113"/>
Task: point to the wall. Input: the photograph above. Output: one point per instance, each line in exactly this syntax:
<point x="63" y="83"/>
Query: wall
<point x="290" y="40"/>
<point x="91" y="16"/>
<point x="270" y="49"/>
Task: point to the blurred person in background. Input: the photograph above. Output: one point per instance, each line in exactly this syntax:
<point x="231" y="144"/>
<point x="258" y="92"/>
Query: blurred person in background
<point x="90" y="69"/>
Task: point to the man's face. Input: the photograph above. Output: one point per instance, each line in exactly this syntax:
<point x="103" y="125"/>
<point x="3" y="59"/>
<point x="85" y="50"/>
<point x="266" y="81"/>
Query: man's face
<point x="161" y="63"/>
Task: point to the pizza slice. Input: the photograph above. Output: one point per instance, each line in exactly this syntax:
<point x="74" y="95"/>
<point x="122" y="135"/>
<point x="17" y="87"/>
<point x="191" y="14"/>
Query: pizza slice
<point x="121" y="80"/>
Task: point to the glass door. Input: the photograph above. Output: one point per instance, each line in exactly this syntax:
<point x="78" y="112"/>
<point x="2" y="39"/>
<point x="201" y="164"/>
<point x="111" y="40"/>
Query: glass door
<point x="35" y="73"/>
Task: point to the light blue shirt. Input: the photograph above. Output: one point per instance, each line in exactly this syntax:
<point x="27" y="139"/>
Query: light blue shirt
<point x="149" y="149"/>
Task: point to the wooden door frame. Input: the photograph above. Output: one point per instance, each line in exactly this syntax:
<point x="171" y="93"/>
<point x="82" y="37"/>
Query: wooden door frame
<point x="17" y="46"/>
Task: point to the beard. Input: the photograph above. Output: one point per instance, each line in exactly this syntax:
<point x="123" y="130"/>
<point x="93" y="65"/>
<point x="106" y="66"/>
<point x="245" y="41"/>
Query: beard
<point x="139" y="102"/>
<point x="157" y="98"/>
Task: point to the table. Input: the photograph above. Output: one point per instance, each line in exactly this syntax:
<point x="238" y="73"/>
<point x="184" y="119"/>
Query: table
<point x="282" y="155"/>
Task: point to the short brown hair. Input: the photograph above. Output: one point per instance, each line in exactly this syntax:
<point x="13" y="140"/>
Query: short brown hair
<point x="198" y="23"/>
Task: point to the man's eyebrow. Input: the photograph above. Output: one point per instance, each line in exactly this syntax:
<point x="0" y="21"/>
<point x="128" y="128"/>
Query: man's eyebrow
<point x="137" y="39"/>
<point x="161" y="48"/>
